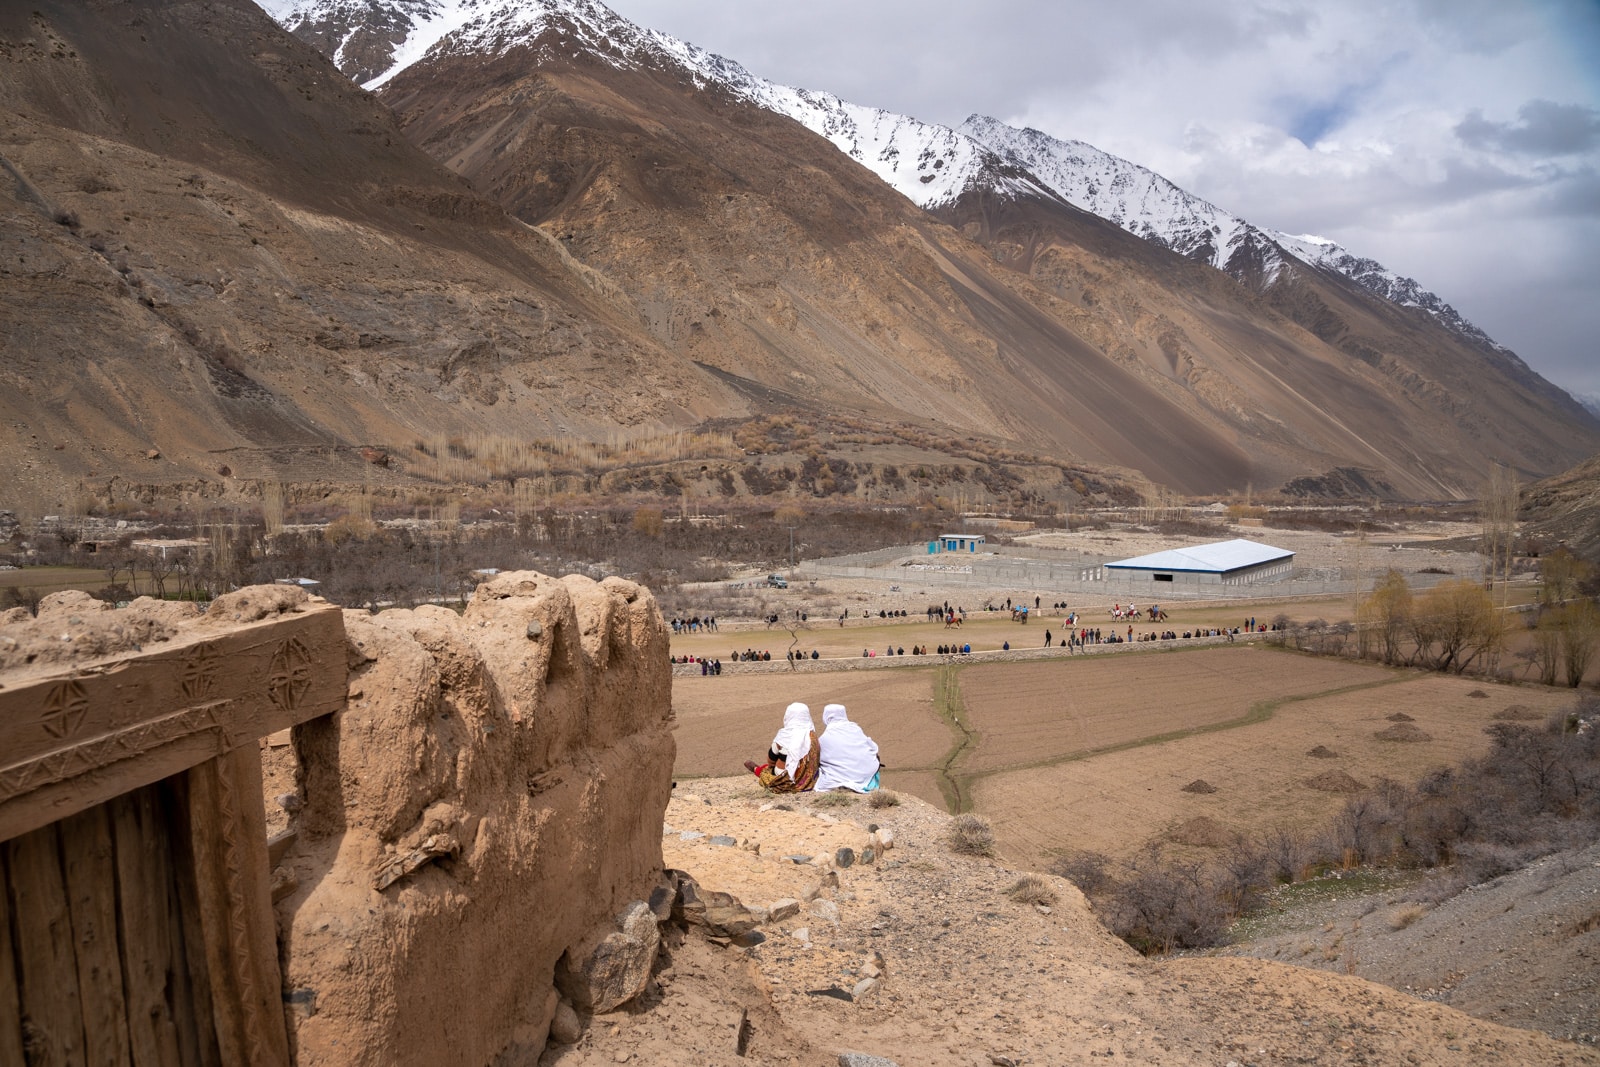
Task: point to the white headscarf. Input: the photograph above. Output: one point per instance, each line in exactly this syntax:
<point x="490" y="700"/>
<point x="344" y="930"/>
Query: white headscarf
<point x="794" y="738"/>
<point x="849" y="757"/>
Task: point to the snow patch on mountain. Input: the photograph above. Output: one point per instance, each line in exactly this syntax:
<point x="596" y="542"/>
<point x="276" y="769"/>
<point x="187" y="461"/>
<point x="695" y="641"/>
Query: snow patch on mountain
<point x="1148" y="205"/>
<point x="1133" y="197"/>
<point x="1380" y="280"/>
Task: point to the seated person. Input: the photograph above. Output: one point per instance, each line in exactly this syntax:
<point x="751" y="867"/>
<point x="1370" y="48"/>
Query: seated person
<point x="849" y="757"/>
<point x="792" y="759"/>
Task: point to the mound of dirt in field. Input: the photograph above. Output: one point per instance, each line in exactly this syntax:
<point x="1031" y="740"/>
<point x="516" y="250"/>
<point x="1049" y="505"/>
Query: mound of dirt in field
<point x="1478" y="694"/>
<point x="1335" y="782"/>
<point x="1200" y="832"/>
<point x="1323" y="752"/>
<point x="1403" y="732"/>
<point x="1518" y="713"/>
<point x="1401" y="716"/>
<point x="1199" y="785"/>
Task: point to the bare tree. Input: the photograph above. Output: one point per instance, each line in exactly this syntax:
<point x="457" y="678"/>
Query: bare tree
<point x="1577" y="626"/>
<point x="1386" y="614"/>
<point x="1455" y="623"/>
<point x="1499" y="513"/>
<point x="1561" y="575"/>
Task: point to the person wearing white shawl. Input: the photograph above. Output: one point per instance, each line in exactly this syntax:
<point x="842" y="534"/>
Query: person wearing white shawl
<point x="791" y="765"/>
<point x="849" y="756"/>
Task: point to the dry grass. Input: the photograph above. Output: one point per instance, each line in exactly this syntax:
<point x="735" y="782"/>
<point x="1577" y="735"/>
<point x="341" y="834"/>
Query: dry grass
<point x="835" y="798"/>
<point x="1519" y="713"/>
<point x="1031" y="889"/>
<point x="970" y="835"/>
<point x="1406" y="916"/>
<point x="883" y="798"/>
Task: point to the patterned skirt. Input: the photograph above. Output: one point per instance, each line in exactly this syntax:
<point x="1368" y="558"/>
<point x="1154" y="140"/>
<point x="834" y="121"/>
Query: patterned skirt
<point x="797" y="779"/>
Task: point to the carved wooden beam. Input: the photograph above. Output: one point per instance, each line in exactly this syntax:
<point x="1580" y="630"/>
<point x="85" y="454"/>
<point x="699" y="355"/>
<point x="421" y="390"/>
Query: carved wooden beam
<point x="80" y="736"/>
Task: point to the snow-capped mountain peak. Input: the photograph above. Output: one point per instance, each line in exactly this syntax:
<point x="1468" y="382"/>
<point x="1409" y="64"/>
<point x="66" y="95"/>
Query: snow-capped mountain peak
<point x="1376" y="278"/>
<point x="1134" y="197"/>
<point x="1144" y="203"/>
<point x="372" y="41"/>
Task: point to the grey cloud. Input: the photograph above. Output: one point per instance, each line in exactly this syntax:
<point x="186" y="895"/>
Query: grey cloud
<point x="1543" y="128"/>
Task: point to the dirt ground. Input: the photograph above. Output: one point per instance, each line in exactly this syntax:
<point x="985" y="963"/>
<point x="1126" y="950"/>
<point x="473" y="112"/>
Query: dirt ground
<point x="1033" y="713"/>
<point x="968" y="975"/>
<point x="1063" y="758"/>
<point x="1114" y="803"/>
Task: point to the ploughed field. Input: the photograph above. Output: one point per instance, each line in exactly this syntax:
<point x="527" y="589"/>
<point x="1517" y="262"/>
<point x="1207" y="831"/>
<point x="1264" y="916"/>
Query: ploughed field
<point x="1094" y="752"/>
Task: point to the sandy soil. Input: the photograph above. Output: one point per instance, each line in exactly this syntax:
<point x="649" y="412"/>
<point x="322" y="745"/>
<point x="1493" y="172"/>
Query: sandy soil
<point x="971" y="976"/>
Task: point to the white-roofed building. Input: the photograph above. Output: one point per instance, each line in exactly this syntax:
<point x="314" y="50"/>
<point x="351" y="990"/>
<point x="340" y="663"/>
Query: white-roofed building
<point x="1236" y="562"/>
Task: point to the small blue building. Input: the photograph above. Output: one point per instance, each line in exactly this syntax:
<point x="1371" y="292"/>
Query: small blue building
<point x="955" y="543"/>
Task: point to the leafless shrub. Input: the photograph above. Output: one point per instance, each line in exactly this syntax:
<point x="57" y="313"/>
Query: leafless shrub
<point x="1287" y="854"/>
<point x="1089" y="871"/>
<point x="1164" y="905"/>
<point x="970" y="835"/>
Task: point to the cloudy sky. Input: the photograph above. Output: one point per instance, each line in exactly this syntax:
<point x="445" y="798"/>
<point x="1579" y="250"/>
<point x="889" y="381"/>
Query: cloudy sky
<point x="1456" y="141"/>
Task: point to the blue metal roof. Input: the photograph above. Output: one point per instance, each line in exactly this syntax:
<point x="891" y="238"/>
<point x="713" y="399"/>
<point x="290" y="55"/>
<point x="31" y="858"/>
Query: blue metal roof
<point x="1219" y="557"/>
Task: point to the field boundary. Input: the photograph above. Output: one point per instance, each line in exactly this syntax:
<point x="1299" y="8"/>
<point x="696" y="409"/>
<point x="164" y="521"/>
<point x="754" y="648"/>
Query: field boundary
<point x="948" y="705"/>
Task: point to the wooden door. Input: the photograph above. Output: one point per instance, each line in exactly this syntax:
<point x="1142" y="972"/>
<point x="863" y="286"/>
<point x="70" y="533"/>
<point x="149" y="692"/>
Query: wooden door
<point x="138" y="932"/>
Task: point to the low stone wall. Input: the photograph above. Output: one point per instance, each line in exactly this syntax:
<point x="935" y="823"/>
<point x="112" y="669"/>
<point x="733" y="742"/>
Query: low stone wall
<point x="872" y="663"/>
<point x="475" y="821"/>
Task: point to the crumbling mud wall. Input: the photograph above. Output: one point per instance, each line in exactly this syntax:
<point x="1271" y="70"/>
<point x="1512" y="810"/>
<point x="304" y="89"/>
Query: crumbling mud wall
<point x="491" y="798"/>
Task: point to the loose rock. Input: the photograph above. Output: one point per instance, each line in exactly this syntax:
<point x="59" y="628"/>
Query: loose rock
<point x="611" y="967"/>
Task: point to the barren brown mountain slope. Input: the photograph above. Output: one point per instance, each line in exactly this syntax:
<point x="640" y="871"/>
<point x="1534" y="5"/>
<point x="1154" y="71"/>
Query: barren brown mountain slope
<point x="1313" y="362"/>
<point x="216" y="249"/>
<point x="225" y="264"/>
<point x="756" y="247"/>
<point x="1565" y="509"/>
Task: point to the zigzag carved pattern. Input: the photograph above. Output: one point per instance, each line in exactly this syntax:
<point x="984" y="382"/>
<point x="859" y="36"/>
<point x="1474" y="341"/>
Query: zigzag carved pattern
<point x="98" y="752"/>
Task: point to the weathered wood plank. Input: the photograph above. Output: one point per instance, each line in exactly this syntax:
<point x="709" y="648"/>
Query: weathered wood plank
<point x="47" y="970"/>
<point x="90" y="871"/>
<point x="192" y="984"/>
<point x="228" y="833"/>
<point x="144" y="878"/>
<point x="10" y="1005"/>
<point x="74" y="739"/>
